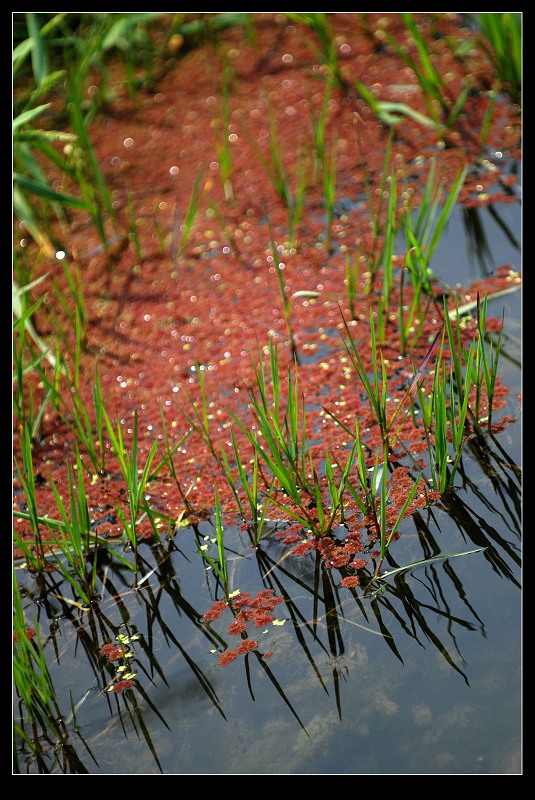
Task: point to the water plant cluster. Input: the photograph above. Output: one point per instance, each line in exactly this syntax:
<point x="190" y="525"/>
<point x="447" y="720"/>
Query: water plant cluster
<point x="336" y="478"/>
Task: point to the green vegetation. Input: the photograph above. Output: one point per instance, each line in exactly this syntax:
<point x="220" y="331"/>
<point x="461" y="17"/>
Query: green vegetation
<point x="280" y="471"/>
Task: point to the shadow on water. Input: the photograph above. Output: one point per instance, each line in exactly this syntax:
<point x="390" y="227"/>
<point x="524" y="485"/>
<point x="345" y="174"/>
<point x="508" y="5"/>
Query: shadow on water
<point x="477" y="240"/>
<point x="328" y="646"/>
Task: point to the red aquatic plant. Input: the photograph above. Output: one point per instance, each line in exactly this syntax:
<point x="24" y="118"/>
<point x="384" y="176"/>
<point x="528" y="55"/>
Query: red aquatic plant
<point x="257" y="609"/>
<point x="120" y="686"/>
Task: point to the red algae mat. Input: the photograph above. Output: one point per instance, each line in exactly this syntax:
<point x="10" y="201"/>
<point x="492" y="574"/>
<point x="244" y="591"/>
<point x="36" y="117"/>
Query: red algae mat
<point x="158" y="314"/>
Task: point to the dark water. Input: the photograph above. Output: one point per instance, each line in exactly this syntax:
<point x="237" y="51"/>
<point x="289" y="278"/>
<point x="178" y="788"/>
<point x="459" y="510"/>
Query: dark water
<point x="423" y="678"/>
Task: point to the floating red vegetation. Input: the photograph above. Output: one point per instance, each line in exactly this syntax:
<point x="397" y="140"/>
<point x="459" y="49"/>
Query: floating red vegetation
<point x="246" y="609"/>
<point x="357" y="563"/>
<point x="246" y="646"/>
<point x="236" y="627"/>
<point x="112" y="652"/>
<point x="350" y="581"/>
<point x="29" y="632"/>
<point x="215" y="611"/>
<point x="227" y="657"/>
<point x="120" y="686"/>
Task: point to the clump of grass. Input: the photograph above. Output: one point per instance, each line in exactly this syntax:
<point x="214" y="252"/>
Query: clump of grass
<point x="281" y="423"/>
<point x="32" y="679"/>
<point x="502" y="41"/>
<point x="444" y="416"/>
<point x="376" y="387"/>
<point x="77" y="539"/>
<point x="30" y="144"/>
<point x="281" y="442"/>
<point x="83" y="163"/>
<point x="88" y="430"/>
<point x="424" y="230"/>
<point x="453" y="408"/>
<point x="136" y="479"/>
<point x="26" y="476"/>
<point x="434" y="88"/>
<point x="274" y="166"/>
<point x="254" y="511"/>
<point x="29" y="180"/>
<point x="481" y="364"/>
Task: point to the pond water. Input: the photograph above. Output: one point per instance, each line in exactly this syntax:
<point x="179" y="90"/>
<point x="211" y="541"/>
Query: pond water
<point x="421" y="678"/>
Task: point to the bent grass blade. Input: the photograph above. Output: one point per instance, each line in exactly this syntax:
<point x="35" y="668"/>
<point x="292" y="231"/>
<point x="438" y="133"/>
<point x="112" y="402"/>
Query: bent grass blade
<point x="417" y="564"/>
